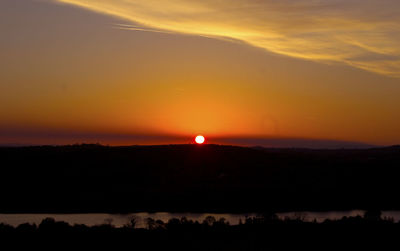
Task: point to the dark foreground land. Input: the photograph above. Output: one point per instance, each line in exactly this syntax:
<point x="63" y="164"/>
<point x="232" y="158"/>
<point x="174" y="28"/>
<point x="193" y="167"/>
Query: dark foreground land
<point x="192" y="178"/>
<point x="265" y="232"/>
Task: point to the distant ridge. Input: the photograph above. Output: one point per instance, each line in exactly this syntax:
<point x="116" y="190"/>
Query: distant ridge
<point x="13" y="138"/>
<point x="248" y="142"/>
<point x="256" y="147"/>
<point x="298" y="143"/>
<point x="196" y="178"/>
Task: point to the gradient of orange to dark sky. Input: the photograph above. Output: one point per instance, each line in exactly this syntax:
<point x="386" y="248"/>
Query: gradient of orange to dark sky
<point x="238" y="72"/>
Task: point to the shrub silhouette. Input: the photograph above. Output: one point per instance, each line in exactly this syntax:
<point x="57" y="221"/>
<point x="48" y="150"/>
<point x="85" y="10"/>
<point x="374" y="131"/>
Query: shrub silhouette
<point x="373" y="215"/>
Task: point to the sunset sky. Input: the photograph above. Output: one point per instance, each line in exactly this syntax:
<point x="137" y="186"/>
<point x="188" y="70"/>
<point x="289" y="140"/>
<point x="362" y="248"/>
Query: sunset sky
<point x="246" y="72"/>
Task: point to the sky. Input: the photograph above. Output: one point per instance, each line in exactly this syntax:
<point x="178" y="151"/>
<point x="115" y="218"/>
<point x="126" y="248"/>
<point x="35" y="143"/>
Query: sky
<point x="316" y="73"/>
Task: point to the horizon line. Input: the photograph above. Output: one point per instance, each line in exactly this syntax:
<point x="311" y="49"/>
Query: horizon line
<point x="16" y="145"/>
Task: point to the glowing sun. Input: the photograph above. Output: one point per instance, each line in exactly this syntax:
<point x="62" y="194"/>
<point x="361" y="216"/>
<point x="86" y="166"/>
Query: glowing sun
<point x="200" y="139"/>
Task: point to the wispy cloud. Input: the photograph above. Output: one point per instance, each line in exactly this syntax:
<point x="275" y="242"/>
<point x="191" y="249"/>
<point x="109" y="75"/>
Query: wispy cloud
<point x="361" y="33"/>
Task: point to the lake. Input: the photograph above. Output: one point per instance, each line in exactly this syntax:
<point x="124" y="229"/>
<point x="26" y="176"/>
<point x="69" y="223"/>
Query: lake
<point x="119" y="220"/>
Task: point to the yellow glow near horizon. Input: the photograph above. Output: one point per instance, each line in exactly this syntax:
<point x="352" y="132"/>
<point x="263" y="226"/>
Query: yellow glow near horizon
<point x="95" y="80"/>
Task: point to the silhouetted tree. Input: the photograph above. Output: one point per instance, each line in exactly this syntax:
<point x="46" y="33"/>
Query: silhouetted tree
<point x="132" y="223"/>
<point x="50" y="225"/>
<point x="373" y="215"/>
<point x="26" y="228"/>
<point x="154" y="224"/>
<point x="209" y="221"/>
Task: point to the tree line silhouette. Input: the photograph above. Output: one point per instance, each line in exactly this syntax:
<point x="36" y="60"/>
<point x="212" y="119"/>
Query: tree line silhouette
<point x="254" y="233"/>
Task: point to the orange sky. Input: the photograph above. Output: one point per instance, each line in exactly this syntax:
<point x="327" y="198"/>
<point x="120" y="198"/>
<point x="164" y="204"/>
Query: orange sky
<point x="124" y="72"/>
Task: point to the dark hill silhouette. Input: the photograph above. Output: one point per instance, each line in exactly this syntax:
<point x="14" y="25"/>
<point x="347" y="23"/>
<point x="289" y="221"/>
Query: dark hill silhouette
<point x="208" y="178"/>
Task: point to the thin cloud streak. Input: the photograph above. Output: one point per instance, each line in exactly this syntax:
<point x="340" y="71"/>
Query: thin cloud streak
<point x="361" y="33"/>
